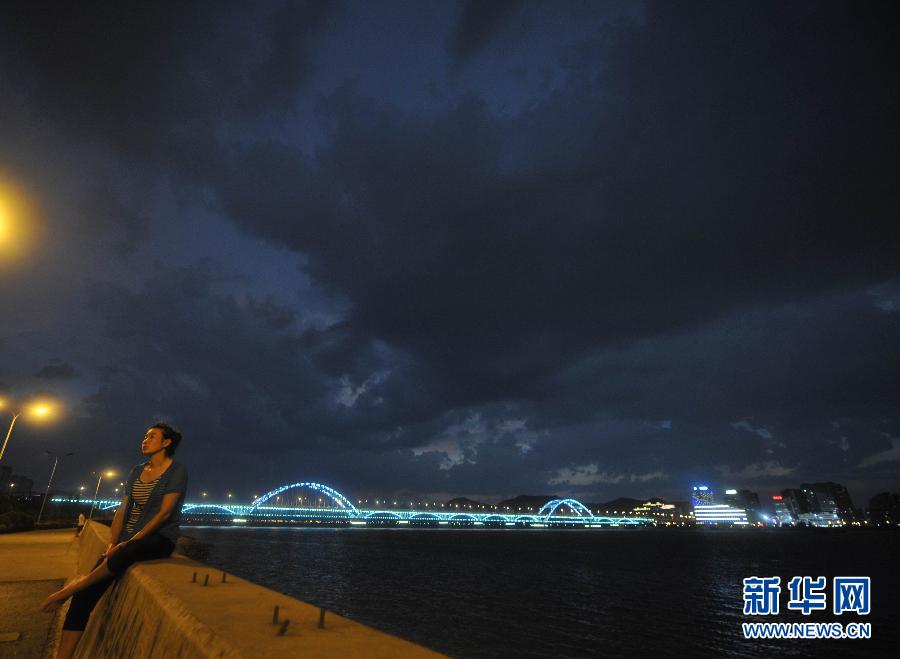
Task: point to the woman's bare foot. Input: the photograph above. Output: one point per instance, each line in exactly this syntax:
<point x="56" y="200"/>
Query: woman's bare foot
<point x="55" y="600"/>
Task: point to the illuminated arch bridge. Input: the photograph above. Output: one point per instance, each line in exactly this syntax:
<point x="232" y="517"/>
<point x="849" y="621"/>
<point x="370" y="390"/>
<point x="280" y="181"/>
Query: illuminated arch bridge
<point x="339" y="509"/>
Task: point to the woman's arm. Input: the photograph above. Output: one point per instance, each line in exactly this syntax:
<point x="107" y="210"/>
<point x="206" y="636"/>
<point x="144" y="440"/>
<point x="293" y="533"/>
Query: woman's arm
<point x="169" y="501"/>
<point x="118" y="521"/>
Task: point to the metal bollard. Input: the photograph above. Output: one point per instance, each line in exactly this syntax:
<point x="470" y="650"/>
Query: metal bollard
<point x="321" y="618"/>
<point x="223" y="577"/>
<point x="275" y="616"/>
<point x="194" y="578"/>
<point x="283" y="628"/>
<point x="206" y="580"/>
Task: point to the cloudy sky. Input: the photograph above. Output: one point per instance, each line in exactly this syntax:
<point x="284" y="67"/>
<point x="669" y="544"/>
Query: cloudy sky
<point x="435" y="248"/>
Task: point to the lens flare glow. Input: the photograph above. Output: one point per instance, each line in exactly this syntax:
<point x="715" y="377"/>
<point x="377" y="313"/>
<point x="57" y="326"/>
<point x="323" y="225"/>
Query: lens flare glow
<point x="19" y="223"/>
<point x="41" y="410"/>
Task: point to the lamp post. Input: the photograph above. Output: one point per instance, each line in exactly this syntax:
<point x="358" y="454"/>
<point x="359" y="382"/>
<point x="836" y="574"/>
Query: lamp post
<point x="97" y="491"/>
<point x="8" y="434"/>
<point x="56" y="457"/>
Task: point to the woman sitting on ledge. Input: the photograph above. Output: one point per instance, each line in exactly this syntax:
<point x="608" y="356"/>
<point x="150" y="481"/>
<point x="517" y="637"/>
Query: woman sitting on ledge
<point x="145" y="528"/>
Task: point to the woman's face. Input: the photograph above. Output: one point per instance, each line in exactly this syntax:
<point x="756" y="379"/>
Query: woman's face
<point x="154" y="441"/>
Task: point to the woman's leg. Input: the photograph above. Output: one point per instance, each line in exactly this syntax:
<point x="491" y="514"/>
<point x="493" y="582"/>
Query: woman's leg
<point x="99" y="575"/>
<point x="68" y="642"/>
<point x="146" y="549"/>
<point x="88" y="590"/>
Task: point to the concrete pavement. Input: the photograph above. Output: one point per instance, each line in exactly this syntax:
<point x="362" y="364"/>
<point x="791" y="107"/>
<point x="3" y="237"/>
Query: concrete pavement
<point x="32" y="565"/>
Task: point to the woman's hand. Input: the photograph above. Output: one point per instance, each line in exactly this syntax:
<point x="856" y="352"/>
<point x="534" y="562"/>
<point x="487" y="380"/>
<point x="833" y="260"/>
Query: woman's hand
<point x="112" y="549"/>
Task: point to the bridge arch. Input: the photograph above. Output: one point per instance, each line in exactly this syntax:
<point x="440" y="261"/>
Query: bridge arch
<point x="462" y="517"/>
<point x="383" y="514"/>
<point x="189" y="507"/>
<point x="551" y="506"/>
<point x="331" y="493"/>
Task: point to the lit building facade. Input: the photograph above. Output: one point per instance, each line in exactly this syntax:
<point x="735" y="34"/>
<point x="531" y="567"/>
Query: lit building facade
<point x="745" y="500"/>
<point x="667" y="514"/>
<point x="829" y="501"/>
<point x="701" y="495"/>
<point x="710" y="513"/>
<point x="783" y="514"/>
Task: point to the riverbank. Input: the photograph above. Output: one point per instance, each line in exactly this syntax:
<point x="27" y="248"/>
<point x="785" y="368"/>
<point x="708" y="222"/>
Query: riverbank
<point x="174" y="607"/>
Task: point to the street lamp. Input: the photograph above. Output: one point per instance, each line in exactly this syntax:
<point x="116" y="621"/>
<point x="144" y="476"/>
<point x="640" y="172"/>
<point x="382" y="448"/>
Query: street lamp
<point x="56" y="457"/>
<point x="108" y="474"/>
<point x="37" y="410"/>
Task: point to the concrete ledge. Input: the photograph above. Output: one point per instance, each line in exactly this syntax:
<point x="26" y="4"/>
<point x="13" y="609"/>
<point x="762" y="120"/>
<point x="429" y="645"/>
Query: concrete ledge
<point x="156" y="610"/>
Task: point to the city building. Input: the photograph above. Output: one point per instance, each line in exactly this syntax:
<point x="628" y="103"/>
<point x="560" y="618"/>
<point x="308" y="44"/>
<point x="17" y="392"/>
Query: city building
<point x="796" y="502"/>
<point x="783" y="513"/>
<point x="829" y="500"/>
<point x="747" y="501"/>
<point x="818" y="504"/>
<point x="15" y="484"/>
<point x="884" y="509"/>
<point x="708" y="512"/>
<point x="702" y="494"/>
<point x="667" y="514"/>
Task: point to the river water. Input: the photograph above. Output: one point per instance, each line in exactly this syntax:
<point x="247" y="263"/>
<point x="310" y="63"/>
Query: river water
<point x="573" y="593"/>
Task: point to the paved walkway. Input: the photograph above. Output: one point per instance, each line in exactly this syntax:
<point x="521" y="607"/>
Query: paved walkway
<point x="234" y="615"/>
<point x="32" y="565"/>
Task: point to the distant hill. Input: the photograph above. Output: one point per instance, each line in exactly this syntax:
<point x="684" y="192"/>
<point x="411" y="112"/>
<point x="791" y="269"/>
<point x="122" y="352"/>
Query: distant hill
<point x="526" y="501"/>
<point x="620" y="504"/>
<point x="464" y="502"/>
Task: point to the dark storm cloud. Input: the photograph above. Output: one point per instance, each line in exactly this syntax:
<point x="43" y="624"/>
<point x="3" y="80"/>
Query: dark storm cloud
<point x="478" y="22"/>
<point x="674" y="256"/>
<point x="651" y="198"/>
<point x="113" y="225"/>
<point x="154" y="80"/>
<point x="56" y="370"/>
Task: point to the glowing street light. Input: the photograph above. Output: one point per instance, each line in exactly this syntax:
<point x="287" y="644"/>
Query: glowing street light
<point x="108" y="474"/>
<point x="39" y="410"/>
<point x="18" y="222"/>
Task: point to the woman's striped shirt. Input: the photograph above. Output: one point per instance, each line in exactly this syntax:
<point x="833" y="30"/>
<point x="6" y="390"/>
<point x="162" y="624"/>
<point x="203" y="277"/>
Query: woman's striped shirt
<point x="140" y="493"/>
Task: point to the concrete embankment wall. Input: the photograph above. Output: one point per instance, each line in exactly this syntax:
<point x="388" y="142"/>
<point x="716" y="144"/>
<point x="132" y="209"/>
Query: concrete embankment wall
<point x="158" y="610"/>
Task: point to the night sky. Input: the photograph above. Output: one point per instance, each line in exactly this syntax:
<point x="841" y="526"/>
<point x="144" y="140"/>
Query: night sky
<point x="424" y="249"/>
